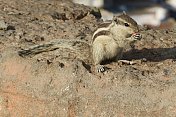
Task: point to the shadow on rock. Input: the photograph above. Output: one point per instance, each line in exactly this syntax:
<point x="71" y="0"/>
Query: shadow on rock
<point x="154" y="54"/>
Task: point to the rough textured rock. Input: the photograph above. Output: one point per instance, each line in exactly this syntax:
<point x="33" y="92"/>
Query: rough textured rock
<point x="56" y="84"/>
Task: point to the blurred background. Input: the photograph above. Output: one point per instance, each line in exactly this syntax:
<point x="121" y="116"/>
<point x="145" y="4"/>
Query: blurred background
<point x="153" y="13"/>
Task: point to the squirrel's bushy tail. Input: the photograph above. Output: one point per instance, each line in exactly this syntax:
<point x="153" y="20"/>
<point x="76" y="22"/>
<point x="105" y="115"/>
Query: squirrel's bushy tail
<point x="75" y="45"/>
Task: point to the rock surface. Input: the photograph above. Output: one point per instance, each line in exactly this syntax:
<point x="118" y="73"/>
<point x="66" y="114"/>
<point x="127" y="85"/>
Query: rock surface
<point x="56" y="84"/>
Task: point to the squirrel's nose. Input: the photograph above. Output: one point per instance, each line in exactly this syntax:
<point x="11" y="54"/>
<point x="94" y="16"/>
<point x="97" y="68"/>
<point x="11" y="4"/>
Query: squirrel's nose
<point x="137" y="30"/>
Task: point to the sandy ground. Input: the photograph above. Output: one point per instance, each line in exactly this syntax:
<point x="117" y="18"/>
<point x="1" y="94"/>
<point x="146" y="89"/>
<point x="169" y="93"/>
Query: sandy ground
<point x="57" y="84"/>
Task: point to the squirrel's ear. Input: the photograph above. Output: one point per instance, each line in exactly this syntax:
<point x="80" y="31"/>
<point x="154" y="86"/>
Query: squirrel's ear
<point x="124" y="13"/>
<point x="115" y="18"/>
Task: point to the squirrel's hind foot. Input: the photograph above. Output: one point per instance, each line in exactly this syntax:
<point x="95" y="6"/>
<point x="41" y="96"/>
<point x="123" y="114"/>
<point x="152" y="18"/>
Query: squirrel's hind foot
<point x="100" y="68"/>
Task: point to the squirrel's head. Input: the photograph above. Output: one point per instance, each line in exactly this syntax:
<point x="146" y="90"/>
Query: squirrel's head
<point x="126" y="24"/>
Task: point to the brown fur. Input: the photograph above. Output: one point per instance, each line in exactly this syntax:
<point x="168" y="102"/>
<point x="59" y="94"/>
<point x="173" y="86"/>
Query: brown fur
<point x="101" y="33"/>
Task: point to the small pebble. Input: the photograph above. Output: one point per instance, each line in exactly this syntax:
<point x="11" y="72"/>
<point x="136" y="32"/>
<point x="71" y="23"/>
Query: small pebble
<point x="3" y="25"/>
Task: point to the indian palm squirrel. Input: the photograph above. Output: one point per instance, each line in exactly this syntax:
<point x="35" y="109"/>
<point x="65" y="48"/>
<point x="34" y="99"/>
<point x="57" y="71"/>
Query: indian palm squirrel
<point x="108" y="42"/>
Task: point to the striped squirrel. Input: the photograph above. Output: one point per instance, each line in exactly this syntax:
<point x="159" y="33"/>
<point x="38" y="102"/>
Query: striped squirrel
<point x="108" y="42"/>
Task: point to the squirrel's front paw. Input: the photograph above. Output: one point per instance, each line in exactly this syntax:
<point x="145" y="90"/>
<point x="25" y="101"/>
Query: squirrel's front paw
<point x="137" y="36"/>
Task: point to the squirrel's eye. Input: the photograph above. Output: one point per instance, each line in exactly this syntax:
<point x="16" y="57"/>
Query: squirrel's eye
<point x="127" y="25"/>
<point x="115" y="20"/>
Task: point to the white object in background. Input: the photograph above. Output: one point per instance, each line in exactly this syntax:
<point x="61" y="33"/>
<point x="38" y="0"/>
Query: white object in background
<point x="161" y="13"/>
<point x="154" y="16"/>
<point x="172" y="3"/>
<point x="85" y="2"/>
<point x="98" y="3"/>
<point x="95" y="3"/>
